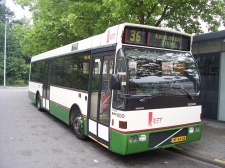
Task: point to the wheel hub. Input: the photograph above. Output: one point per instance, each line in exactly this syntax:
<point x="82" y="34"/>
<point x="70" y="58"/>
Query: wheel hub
<point x="78" y="124"/>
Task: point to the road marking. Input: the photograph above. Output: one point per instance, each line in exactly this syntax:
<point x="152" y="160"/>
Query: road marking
<point x="220" y="161"/>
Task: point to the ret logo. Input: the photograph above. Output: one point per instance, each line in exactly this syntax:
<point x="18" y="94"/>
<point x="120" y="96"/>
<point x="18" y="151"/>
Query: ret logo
<point x="110" y="36"/>
<point x="152" y="120"/>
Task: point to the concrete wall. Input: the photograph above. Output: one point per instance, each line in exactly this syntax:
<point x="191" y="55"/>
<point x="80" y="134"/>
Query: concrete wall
<point x="211" y="46"/>
<point x="221" y="103"/>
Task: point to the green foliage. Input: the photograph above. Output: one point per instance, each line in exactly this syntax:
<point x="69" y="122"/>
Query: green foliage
<point x="5" y="12"/>
<point x="59" y="22"/>
<point x="177" y="14"/>
<point x="17" y="64"/>
<point x="50" y="28"/>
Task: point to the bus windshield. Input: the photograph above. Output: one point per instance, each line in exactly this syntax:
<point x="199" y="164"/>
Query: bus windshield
<point x="161" y="72"/>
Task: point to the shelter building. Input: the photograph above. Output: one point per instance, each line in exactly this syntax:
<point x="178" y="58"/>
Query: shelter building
<point x="209" y="51"/>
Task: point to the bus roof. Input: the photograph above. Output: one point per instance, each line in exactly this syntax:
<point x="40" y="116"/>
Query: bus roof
<point x="111" y="36"/>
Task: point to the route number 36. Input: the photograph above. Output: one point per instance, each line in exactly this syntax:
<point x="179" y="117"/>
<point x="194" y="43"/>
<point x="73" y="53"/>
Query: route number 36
<point x="135" y="36"/>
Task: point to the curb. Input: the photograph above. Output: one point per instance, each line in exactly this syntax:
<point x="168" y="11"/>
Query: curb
<point x="219" y="125"/>
<point x="13" y="87"/>
<point x="197" y="156"/>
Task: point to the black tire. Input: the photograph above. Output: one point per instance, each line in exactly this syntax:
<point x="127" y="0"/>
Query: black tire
<point x="77" y="124"/>
<point x="38" y="103"/>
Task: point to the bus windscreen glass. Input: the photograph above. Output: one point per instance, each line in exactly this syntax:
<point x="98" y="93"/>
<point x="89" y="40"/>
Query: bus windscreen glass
<point x="158" y="72"/>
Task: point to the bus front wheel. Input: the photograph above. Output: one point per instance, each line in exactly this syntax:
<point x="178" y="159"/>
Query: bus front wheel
<point x="77" y="124"/>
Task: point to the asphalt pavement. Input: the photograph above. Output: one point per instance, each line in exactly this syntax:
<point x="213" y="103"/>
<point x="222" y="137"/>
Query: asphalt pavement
<point x="211" y="147"/>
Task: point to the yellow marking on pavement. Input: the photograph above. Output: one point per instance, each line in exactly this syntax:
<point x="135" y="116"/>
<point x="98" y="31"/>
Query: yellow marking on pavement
<point x="220" y="161"/>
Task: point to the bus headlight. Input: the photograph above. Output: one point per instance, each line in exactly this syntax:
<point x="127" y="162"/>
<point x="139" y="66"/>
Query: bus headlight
<point x="197" y="129"/>
<point x="133" y="139"/>
<point x="191" y="130"/>
<point x="142" y="138"/>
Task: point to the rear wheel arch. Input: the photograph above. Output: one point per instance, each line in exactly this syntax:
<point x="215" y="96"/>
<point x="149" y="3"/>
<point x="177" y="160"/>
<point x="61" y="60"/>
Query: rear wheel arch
<point x="36" y="97"/>
<point x="73" y="108"/>
<point x="38" y="101"/>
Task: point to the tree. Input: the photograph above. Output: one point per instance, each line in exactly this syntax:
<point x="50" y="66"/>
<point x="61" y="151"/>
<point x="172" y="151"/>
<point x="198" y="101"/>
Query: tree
<point x="177" y="14"/>
<point x="59" y="22"/>
<point x="17" y="64"/>
<point x="5" y="12"/>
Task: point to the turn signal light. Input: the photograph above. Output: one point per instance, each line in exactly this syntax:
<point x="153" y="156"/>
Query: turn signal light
<point x="123" y="124"/>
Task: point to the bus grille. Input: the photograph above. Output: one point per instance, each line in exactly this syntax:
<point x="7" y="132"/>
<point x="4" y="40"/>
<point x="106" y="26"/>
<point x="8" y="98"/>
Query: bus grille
<point x="158" y="137"/>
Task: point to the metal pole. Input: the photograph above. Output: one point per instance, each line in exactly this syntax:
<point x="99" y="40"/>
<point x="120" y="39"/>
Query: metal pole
<point x="5" y="56"/>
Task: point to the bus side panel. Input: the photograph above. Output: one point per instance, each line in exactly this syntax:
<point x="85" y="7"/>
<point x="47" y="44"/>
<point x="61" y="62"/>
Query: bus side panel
<point x="32" y="96"/>
<point x="85" y="124"/>
<point x="33" y="89"/>
<point x="62" y="99"/>
<point x="60" y="112"/>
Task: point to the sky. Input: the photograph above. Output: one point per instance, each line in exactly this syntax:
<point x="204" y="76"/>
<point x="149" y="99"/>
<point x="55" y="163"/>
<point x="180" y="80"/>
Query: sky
<point x="18" y="11"/>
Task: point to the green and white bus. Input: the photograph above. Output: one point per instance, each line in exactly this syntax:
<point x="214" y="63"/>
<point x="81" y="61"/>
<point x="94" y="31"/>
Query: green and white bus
<point x="132" y="89"/>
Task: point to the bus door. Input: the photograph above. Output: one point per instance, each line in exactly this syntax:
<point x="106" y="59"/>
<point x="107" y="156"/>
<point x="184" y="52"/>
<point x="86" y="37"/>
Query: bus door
<point x="46" y="86"/>
<point x="100" y="96"/>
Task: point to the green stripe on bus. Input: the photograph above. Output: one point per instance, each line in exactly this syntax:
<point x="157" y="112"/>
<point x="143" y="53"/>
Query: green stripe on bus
<point x="85" y="124"/>
<point x="119" y="143"/>
<point x="32" y="96"/>
<point x="63" y="114"/>
<point x="60" y="112"/>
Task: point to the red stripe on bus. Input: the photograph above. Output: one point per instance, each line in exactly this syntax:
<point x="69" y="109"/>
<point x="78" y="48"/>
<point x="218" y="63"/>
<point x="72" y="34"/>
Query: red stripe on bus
<point x="148" y="38"/>
<point x="153" y="129"/>
<point x="125" y="38"/>
<point x="150" y="118"/>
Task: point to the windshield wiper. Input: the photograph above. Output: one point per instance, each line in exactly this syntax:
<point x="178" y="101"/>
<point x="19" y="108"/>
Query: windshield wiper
<point x="188" y="94"/>
<point x="142" y="98"/>
<point x="145" y="97"/>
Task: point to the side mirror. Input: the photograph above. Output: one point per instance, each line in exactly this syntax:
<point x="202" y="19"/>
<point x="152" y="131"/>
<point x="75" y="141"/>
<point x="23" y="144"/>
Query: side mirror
<point x="115" y="82"/>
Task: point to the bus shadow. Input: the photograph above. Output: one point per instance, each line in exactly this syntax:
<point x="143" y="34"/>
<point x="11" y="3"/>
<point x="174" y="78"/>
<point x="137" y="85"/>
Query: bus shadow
<point x="133" y="160"/>
<point x="50" y="117"/>
<point x="150" y="158"/>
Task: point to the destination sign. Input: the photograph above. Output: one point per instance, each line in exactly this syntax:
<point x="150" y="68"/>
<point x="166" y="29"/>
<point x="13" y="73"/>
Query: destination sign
<point x="155" y="38"/>
<point x="135" y="36"/>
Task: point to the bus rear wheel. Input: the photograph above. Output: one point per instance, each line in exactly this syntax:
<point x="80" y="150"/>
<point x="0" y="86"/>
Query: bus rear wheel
<point x="38" y="103"/>
<point x="77" y="124"/>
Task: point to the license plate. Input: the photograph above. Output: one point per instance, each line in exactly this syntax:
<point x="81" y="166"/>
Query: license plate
<point x="178" y="139"/>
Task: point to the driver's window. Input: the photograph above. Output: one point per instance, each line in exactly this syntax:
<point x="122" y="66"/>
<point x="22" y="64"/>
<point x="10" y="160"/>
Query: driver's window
<point x="118" y="102"/>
